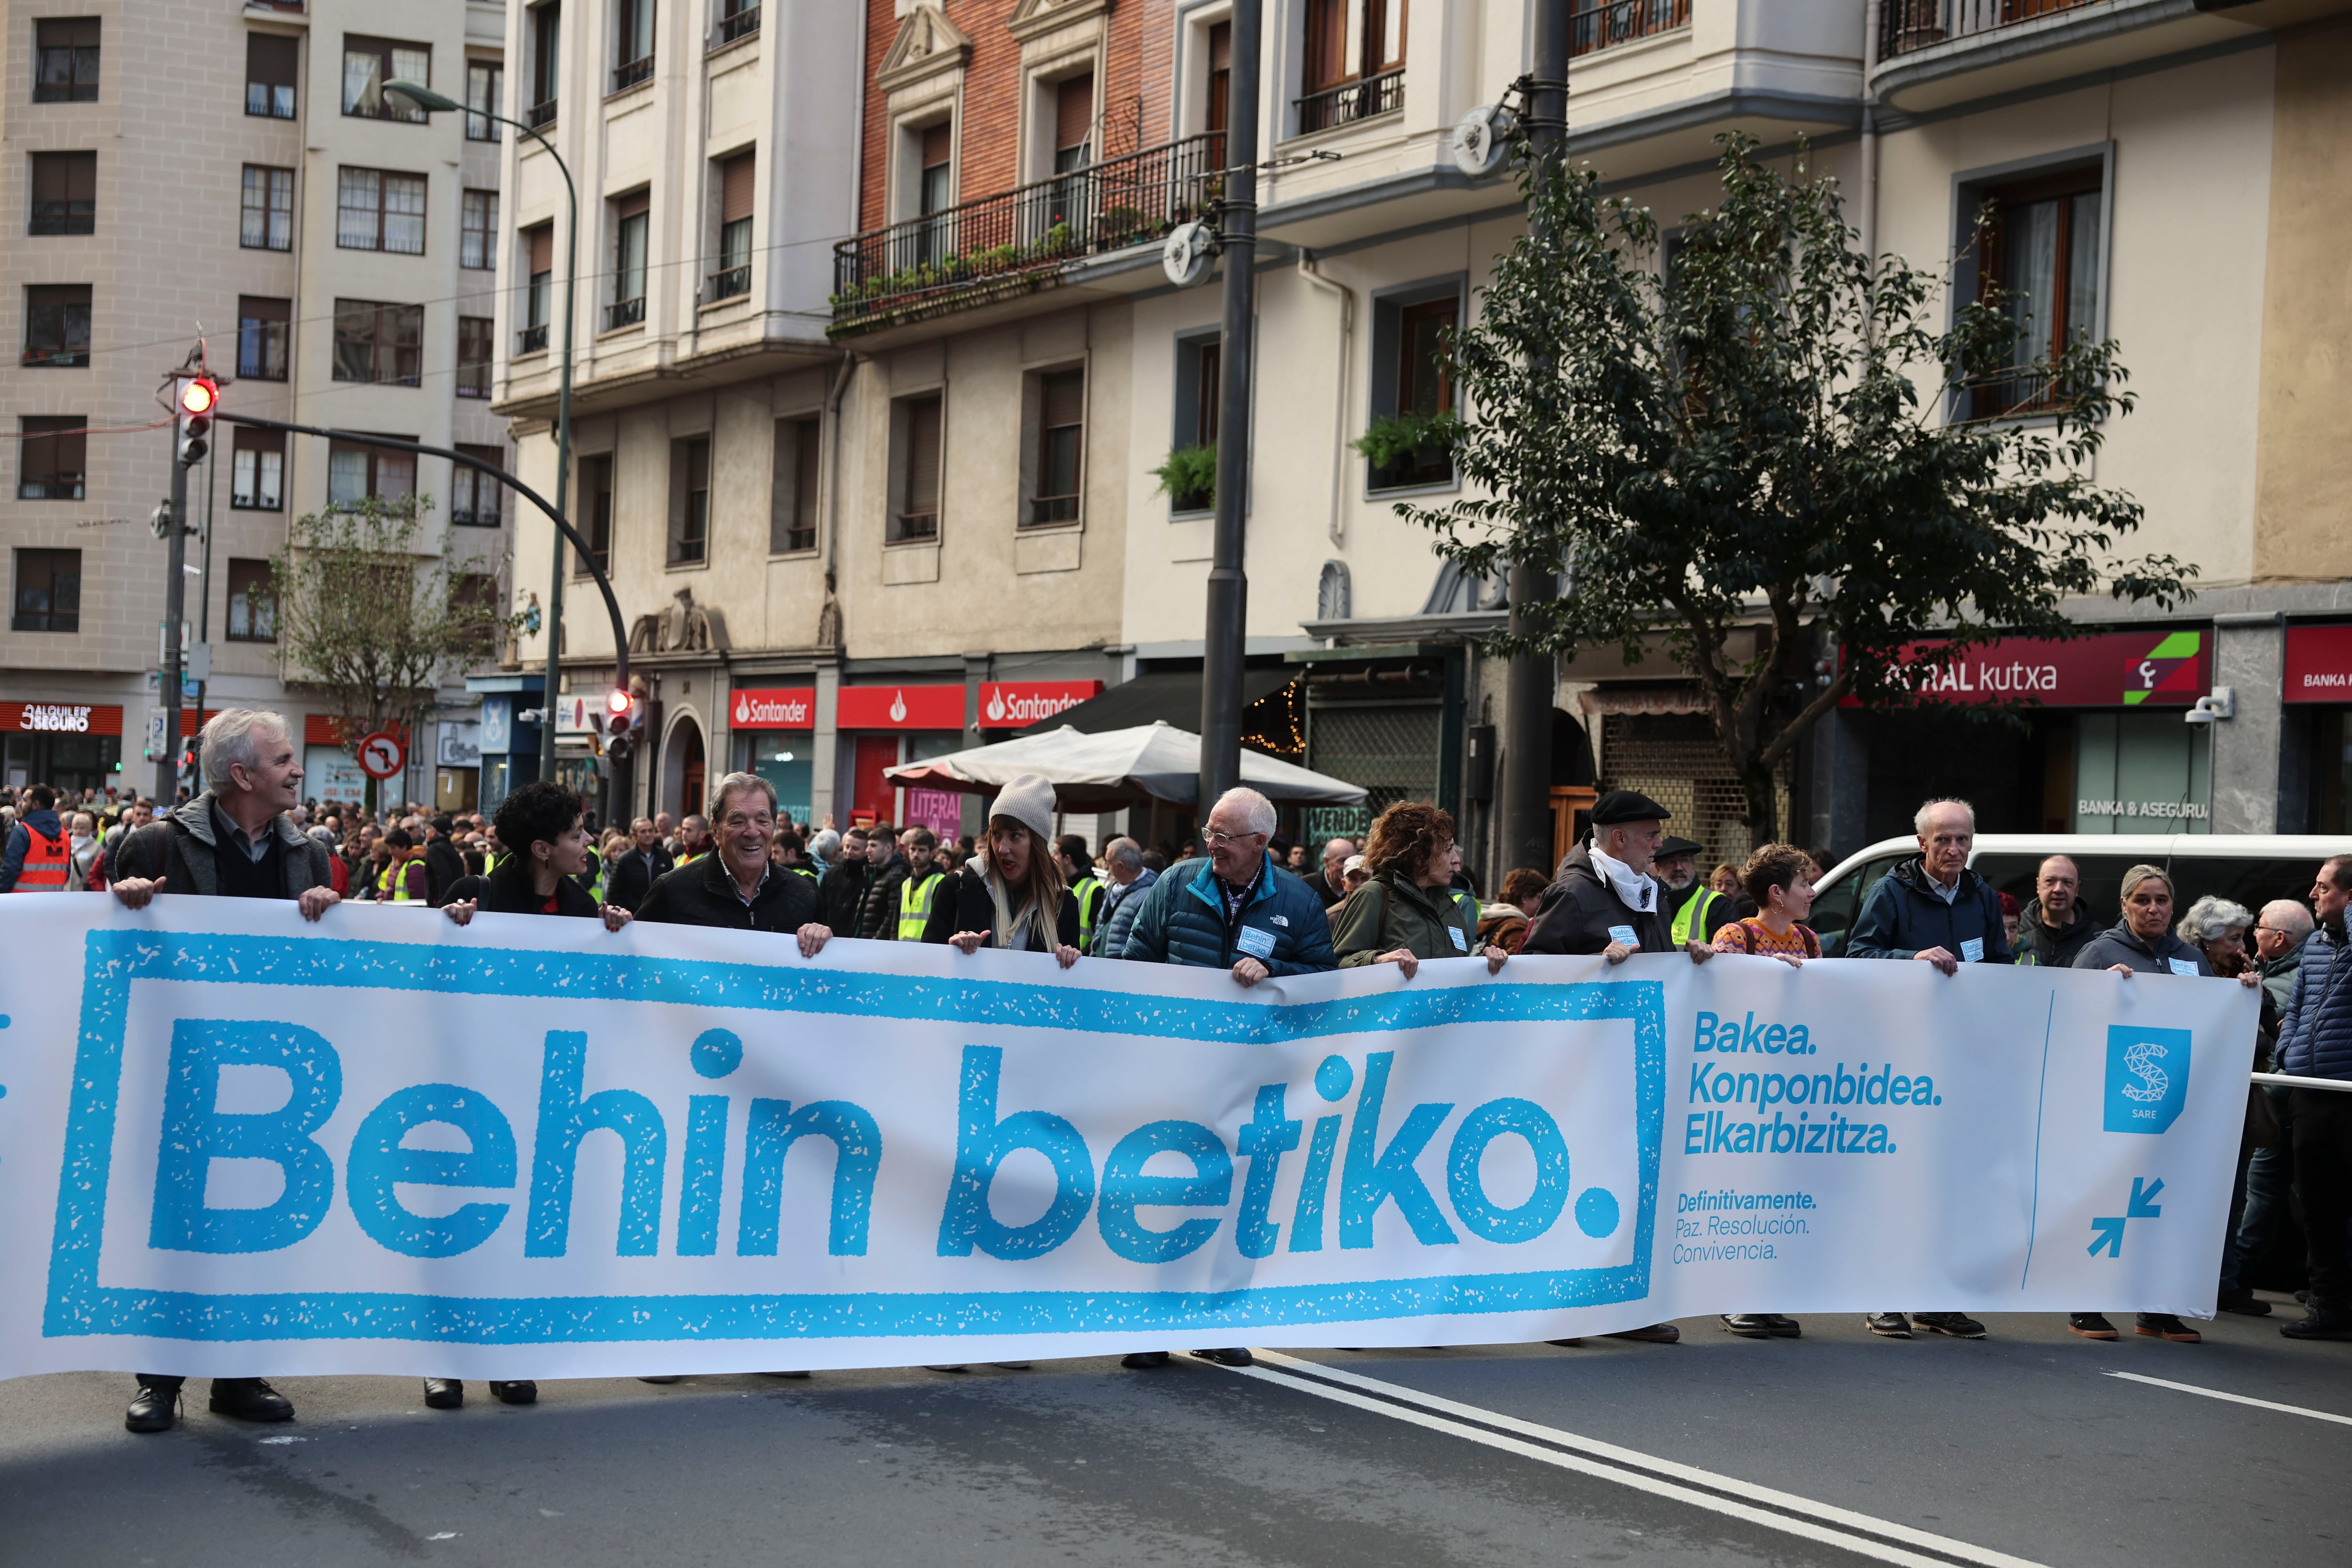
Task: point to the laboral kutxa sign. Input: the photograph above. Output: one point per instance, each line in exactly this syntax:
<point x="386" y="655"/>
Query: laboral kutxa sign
<point x="2109" y="669"/>
<point x="236" y="1142"/>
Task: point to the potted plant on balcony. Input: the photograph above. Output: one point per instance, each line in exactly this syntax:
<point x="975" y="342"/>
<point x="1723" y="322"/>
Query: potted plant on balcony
<point x="1189" y="478"/>
<point x="1408" y="448"/>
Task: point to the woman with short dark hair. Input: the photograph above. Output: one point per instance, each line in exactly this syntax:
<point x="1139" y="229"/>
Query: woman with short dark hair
<point x="540" y="824"/>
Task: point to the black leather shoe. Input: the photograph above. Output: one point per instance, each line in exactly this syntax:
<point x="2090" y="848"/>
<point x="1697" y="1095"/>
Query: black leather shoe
<point x="152" y="1409"/>
<point x="515" y="1391"/>
<point x="1143" y="1361"/>
<point x="445" y="1394"/>
<point x="663" y="1381"/>
<point x="1232" y="1356"/>
<point x="249" y="1399"/>
<point x="2245" y="1303"/>
<point x="2319" y="1325"/>
<point x="1656" y="1335"/>
<point x="1959" y="1325"/>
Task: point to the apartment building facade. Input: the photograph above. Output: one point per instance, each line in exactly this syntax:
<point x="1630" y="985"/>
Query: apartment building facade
<point x="819" y="491"/>
<point x="869" y="499"/>
<point x="187" y="171"/>
<point x="2168" y="152"/>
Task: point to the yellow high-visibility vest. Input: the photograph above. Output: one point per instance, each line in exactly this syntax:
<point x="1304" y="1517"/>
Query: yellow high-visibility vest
<point x="1690" y="922"/>
<point x="915" y="905"/>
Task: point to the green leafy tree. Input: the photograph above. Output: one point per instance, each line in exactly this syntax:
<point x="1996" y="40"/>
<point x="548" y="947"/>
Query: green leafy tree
<point x="372" y="622"/>
<point x="1769" y="431"/>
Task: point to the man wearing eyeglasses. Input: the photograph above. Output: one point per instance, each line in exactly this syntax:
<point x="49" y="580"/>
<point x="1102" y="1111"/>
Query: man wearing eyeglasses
<point x="1237" y="911"/>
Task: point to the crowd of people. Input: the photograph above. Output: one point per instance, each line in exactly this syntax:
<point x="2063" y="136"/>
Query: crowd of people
<point x="1242" y="900"/>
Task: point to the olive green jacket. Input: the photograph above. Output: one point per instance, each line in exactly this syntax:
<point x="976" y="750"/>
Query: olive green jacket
<point x="1390" y="912"/>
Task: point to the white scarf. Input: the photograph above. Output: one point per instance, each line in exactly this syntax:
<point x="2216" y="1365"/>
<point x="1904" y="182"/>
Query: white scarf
<point x="1639" y="892"/>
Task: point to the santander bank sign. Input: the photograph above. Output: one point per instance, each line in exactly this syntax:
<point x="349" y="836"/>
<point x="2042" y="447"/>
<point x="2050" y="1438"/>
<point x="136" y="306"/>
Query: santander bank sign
<point x="775" y="708"/>
<point x="1017" y="704"/>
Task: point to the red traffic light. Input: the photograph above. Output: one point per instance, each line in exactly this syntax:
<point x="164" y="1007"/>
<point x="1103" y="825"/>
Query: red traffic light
<point x="200" y="395"/>
<point x="619" y="710"/>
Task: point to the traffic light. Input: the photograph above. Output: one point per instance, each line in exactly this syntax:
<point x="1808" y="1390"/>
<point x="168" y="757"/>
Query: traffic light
<point x="198" y="401"/>
<point x="623" y="713"/>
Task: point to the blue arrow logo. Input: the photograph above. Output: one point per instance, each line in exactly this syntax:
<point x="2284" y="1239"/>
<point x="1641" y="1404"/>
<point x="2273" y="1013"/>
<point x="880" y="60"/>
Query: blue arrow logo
<point x="2107" y="1232"/>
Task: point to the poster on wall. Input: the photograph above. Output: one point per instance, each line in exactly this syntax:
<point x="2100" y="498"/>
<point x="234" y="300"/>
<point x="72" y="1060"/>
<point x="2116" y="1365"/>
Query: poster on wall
<point x="329" y="772"/>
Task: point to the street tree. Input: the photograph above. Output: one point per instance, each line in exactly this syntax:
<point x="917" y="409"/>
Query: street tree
<point x="1760" y="430"/>
<point x="372" y="622"/>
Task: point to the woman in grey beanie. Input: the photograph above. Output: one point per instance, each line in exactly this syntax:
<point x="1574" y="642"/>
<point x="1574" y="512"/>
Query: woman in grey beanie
<point x="1010" y="895"/>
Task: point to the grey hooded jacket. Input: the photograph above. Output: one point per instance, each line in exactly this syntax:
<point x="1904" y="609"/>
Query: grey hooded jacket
<point x="181" y="848"/>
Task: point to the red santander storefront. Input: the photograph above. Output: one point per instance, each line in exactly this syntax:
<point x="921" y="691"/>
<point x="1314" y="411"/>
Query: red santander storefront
<point x="883" y="724"/>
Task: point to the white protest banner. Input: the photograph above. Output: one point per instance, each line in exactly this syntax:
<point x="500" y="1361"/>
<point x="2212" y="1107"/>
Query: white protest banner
<point x="233" y="1143"/>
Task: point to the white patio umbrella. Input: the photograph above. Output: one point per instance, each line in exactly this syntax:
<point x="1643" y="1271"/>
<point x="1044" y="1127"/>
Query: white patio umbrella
<point x="1115" y="768"/>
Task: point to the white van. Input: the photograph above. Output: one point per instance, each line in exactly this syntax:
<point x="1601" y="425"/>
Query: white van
<point x="2250" y="868"/>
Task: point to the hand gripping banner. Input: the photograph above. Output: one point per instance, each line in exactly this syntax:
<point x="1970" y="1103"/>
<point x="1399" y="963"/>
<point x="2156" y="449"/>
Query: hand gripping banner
<point x="231" y="1142"/>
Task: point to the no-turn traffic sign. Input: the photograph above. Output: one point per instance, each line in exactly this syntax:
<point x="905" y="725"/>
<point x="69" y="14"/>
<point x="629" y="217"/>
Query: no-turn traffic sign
<point x="380" y="755"/>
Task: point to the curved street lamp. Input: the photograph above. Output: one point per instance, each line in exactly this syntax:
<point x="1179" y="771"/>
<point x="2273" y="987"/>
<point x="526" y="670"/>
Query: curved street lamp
<point x="432" y="102"/>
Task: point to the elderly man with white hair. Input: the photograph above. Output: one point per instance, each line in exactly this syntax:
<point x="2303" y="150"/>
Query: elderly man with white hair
<point x="1935" y="910"/>
<point x="1236" y="911"/>
<point x="232" y="841"/>
<point x="2282" y="929"/>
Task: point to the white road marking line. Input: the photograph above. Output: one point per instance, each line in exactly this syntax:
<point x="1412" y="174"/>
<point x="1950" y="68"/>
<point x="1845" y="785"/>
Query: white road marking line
<point x="1586" y="1456"/>
<point x="2233" y="1398"/>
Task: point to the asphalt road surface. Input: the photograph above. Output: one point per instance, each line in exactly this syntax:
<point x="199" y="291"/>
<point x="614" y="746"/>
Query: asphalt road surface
<point x="2030" y="1446"/>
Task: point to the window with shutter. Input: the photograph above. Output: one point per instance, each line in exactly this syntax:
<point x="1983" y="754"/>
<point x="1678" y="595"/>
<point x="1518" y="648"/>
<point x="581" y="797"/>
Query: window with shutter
<point x="916" y="515"/>
<point x="737" y="188"/>
<point x="65" y="193"/>
<point x="1074" y="118"/>
<point x="1061" y="430"/>
<point x="262" y="329"/>
<point x="271" y="60"/>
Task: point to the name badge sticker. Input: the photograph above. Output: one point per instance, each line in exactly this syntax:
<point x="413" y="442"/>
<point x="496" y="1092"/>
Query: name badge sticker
<point x="2183" y="966"/>
<point x="1460" y="943"/>
<point x="1972" y="951"/>
<point x="1624" y="934"/>
<point x="1256" y="941"/>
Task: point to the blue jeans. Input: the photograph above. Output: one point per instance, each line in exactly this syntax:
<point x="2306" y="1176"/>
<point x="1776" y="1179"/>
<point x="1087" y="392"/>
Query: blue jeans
<point x="2259" y="1198"/>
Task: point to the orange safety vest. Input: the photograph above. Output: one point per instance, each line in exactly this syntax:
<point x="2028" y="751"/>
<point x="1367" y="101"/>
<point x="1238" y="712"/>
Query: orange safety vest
<point x="47" y="861"/>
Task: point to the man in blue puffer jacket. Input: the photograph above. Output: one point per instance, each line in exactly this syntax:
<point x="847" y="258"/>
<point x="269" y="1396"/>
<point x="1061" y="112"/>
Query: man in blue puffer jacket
<point x="2315" y="1041"/>
<point x="1236" y="910"/>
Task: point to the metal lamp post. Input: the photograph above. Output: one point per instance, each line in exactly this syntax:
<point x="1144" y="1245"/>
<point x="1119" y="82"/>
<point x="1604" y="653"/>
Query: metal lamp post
<point x="432" y="102"/>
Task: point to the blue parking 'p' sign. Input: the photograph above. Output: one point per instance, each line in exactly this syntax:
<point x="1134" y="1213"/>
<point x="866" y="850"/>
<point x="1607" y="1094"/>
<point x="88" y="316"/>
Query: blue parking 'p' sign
<point x="2148" y="1077"/>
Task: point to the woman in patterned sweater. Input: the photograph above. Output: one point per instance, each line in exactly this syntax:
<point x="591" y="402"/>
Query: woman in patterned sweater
<point x="1780" y="878"/>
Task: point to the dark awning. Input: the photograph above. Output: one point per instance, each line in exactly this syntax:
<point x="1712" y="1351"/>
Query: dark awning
<point x="1171" y="696"/>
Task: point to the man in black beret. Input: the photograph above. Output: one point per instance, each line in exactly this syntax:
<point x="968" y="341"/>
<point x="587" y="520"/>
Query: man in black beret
<point x="1605" y="900"/>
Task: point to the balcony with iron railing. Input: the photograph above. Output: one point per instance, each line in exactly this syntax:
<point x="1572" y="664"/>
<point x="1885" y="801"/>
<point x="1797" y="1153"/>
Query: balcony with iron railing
<point x="629" y="73"/>
<point x="1022" y="239"/>
<point x="1596" y="25"/>
<point x="1367" y="99"/>
<point x="728" y="283"/>
<point x="531" y="340"/>
<point x="539" y="116"/>
<point x="623" y="313"/>
<point x="735" y="26"/>
<point x="1908" y="25"/>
